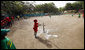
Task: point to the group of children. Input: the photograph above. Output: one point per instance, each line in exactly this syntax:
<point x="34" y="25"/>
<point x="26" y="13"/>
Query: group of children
<point x="6" y="43"/>
<point x="7" y="22"/>
<point x="79" y="15"/>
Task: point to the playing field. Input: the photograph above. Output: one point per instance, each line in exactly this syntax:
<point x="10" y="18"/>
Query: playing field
<point x="70" y="31"/>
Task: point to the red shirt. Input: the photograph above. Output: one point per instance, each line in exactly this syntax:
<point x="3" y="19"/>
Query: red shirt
<point x="5" y="19"/>
<point x="5" y="22"/>
<point x="12" y="17"/>
<point x="8" y="19"/>
<point x="35" y="27"/>
<point x="83" y="14"/>
<point x="2" y="22"/>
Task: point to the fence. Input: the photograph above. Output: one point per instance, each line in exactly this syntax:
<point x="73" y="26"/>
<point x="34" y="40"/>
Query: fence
<point x="32" y="15"/>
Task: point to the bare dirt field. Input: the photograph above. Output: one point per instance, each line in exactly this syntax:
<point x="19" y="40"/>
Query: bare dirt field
<point x="70" y="31"/>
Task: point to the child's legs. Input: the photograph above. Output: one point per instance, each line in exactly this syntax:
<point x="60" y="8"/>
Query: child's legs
<point x="35" y="33"/>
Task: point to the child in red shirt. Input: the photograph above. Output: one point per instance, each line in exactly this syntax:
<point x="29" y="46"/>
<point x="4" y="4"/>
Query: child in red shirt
<point x="2" y="24"/>
<point x="9" y="21"/>
<point x="36" y="27"/>
<point x="5" y="23"/>
<point x="12" y="18"/>
<point x="83" y="14"/>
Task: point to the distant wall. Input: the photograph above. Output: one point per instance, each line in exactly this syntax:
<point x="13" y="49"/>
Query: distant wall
<point x="32" y="15"/>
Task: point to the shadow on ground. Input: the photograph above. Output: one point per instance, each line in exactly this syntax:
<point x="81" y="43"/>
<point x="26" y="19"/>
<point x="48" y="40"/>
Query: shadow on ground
<point x="46" y="42"/>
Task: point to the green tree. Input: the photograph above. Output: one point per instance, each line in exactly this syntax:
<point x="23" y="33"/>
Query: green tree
<point x="15" y="7"/>
<point x="77" y="6"/>
<point x="68" y="6"/>
<point x="81" y="3"/>
<point x="46" y="8"/>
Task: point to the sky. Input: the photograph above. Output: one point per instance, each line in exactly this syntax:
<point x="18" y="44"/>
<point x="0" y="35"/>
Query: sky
<point x="58" y="4"/>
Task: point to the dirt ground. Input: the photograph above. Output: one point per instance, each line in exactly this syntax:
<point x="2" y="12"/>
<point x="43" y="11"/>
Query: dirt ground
<point x="70" y="31"/>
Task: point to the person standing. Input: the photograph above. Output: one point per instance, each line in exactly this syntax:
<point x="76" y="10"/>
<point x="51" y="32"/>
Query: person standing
<point x="50" y="15"/>
<point x="36" y="24"/>
<point x="12" y="18"/>
<point x="9" y="23"/>
<point x="79" y="15"/>
<point x="2" y="23"/>
<point x="6" y="43"/>
<point x="18" y="17"/>
<point x="83" y="14"/>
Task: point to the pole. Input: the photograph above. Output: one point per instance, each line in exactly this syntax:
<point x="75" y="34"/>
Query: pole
<point x="43" y="28"/>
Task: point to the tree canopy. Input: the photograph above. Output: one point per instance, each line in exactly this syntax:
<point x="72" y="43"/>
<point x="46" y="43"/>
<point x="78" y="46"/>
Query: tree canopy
<point x="20" y="7"/>
<point x="46" y="8"/>
<point x="75" y="6"/>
